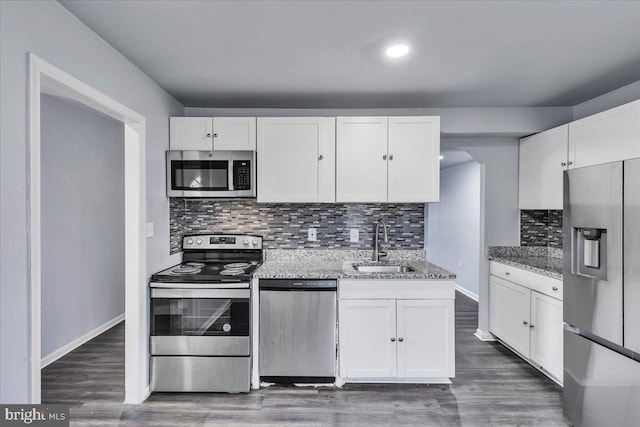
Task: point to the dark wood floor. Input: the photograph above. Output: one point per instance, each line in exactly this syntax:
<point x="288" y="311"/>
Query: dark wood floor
<point x="492" y="388"/>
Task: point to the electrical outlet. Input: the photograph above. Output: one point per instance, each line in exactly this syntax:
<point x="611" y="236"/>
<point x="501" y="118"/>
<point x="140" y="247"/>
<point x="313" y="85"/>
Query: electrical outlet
<point x="354" y="235"/>
<point x="312" y="234"/>
<point x="460" y="263"/>
<point x="149" y="229"/>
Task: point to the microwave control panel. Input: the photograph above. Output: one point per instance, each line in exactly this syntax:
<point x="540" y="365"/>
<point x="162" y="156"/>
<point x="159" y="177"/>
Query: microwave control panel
<point x="242" y="175"/>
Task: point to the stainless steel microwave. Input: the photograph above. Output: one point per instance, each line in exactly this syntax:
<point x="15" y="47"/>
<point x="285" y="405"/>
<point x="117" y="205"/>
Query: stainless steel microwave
<point x="211" y="174"/>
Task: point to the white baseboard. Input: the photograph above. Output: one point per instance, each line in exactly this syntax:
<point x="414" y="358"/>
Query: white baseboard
<point x="57" y="354"/>
<point x="467" y="292"/>
<point x="484" y="335"/>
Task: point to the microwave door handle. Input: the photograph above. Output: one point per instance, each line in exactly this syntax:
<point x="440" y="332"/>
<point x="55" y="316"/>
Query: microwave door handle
<point x="230" y="173"/>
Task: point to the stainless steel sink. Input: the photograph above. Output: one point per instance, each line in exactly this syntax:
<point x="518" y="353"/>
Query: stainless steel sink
<point x="383" y="268"/>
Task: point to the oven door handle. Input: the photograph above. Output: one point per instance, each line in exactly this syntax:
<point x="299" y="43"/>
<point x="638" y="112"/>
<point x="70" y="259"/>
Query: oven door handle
<point x="200" y="293"/>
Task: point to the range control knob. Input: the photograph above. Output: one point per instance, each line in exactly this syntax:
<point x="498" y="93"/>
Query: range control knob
<point x="198" y="241"/>
<point x="255" y="242"/>
<point x="190" y="241"/>
<point x="245" y="242"/>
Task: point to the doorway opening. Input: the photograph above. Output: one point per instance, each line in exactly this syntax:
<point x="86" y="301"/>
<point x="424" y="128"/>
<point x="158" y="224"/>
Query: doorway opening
<point x="45" y="78"/>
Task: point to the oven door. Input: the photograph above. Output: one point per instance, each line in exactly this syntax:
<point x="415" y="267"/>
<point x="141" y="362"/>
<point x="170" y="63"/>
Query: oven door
<point x="210" y="174"/>
<point x="200" y="322"/>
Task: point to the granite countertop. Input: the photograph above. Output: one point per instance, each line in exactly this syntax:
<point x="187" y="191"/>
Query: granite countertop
<point x="338" y="264"/>
<point x="537" y="259"/>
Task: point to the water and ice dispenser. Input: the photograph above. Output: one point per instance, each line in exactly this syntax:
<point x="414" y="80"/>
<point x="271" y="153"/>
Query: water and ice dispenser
<point x="589" y="252"/>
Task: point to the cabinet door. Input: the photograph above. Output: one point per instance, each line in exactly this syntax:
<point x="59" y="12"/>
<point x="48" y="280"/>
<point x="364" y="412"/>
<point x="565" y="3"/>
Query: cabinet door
<point x="509" y="306"/>
<point x="605" y="137"/>
<point x="543" y="158"/>
<point x="296" y="159"/>
<point x="547" y="334"/>
<point x="425" y="338"/>
<point x="367" y="338"/>
<point x="191" y="133"/>
<point x="234" y="133"/>
<point x="414" y="159"/>
<point x="361" y="159"/>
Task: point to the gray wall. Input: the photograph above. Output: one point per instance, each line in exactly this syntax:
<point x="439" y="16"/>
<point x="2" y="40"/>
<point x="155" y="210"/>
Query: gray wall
<point x="453" y="234"/>
<point x="51" y="32"/>
<point x="499" y="194"/>
<point x="82" y="221"/>
<point x="628" y="93"/>
<point x="455" y="122"/>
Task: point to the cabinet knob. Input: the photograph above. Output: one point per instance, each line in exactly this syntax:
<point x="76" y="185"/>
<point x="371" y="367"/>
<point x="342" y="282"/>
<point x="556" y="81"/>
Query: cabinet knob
<point x="506" y="273"/>
<point x="400" y="339"/>
<point x="524" y="322"/>
<point x="384" y="157"/>
<point x="390" y="156"/>
<point x="563" y="164"/>
<point x="570" y="163"/>
<point x="532" y="326"/>
<point x="215" y="135"/>
<point x="208" y="135"/>
<point x="320" y="157"/>
<point x="393" y="339"/>
<point x="555" y="288"/>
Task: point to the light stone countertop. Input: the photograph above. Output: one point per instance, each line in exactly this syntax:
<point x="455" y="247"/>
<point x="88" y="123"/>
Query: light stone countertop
<point x="537" y="259"/>
<point x="338" y="264"/>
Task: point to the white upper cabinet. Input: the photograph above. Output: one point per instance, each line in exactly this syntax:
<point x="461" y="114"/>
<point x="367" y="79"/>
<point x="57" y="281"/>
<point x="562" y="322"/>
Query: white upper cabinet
<point x="388" y="159"/>
<point x="234" y="133"/>
<point x="414" y="159"/>
<point x="206" y="133"/>
<point x="361" y="159"/>
<point x="296" y="159"/>
<point x="191" y="133"/>
<point x="543" y="158"/>
<point x="605" y="137"/>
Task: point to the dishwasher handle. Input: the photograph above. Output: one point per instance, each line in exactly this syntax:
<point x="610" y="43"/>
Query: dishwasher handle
<point x="298" y="285"/>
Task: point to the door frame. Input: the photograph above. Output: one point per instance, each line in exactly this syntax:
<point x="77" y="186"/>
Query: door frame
<point x="44" y="75"/>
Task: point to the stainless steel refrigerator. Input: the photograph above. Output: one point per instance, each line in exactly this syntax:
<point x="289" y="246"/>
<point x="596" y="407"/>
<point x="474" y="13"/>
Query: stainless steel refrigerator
<point x="602" y="294"/>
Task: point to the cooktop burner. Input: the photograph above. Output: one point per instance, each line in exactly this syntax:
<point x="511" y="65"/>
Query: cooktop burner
<point x="186" y="269"/>
<point x="237" y="265"/>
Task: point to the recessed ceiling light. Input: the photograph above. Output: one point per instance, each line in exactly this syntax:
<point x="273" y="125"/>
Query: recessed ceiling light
<point x="397" y="50"/>
<point x="441" y="157"/>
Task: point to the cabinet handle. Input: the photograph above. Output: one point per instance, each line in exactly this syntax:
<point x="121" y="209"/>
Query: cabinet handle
<point x="215" y="135"/>
<point x="320" y="157"/>
<point x="506" y="273"/>
<point x="208" y="135"/>
<point x="393" y="339"/>
<point x="563" y="164"/>
<point x="524" y="322"/>
<point x="400" y="339"/>
<point x="555" y="288"/>
<point x="390" y="156"/>
<point x="532" y="326"/>
<point x="384" y="157"/>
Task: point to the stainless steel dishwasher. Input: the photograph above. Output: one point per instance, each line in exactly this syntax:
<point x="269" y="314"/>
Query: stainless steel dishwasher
<point x="297" y="330"/>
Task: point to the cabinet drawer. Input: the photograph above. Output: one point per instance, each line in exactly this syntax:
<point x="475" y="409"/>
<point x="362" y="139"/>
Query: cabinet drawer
<point x="395" y="289"/>
<point x="537" y="282"/>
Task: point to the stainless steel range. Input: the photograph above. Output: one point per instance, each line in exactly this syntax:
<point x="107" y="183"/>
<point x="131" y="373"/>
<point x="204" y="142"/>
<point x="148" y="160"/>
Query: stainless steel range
<point x="200" y="316"/>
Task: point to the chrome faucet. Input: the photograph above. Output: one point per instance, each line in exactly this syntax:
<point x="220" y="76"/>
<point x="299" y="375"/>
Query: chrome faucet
<point x="376" y="242"/>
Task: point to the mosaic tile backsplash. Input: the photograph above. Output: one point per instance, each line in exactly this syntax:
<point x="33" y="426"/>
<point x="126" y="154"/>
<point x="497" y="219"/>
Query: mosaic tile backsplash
<point x="284" y="226"/>
<point x="541" y="228"/>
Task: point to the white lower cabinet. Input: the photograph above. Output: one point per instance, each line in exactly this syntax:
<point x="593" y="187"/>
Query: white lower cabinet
<point x="547" y="334"/>
<point x="384" y="339"/>
<point x="528" y="321"/>
<point x="367" y="338"/>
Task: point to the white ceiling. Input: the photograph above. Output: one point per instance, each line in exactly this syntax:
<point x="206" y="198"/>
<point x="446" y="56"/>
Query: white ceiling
<point x="295" y="54"/>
